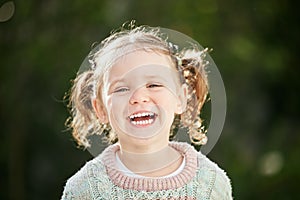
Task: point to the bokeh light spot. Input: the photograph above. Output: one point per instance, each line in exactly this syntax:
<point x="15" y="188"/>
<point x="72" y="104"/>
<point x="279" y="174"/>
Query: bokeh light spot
<point x="7" y="10"/>
<point x="271" y="163"/>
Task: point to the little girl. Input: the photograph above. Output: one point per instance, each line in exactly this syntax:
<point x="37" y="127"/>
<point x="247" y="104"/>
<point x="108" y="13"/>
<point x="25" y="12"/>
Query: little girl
<point x="138" y="90"/>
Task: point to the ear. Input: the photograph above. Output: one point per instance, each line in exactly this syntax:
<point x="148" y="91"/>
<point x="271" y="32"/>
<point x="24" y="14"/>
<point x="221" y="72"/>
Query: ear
<point x="100" y="111"/>
<point x="182" y="99"/>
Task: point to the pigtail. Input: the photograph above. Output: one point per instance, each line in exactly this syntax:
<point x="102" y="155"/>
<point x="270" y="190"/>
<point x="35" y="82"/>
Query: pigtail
<point x="83" y="120"/>
<point x="192" y="64"/>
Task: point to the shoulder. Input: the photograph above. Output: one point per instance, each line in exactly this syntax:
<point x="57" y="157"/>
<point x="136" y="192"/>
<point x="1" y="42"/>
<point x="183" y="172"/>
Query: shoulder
<point x="219" y="185"/>
<point x="211" y="181"/>
<point x="79" y="185"/>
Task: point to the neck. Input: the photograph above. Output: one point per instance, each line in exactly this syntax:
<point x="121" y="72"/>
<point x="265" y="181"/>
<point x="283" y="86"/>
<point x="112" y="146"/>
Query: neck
<point x="151" y="162"/>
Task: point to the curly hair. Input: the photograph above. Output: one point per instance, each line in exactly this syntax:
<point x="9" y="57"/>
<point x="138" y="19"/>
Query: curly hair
<point x="190" y="64"/>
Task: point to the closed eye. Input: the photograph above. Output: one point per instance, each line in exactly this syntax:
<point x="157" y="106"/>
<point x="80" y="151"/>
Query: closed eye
<point x="153" y="85"/>
<point x="123" y="89"/>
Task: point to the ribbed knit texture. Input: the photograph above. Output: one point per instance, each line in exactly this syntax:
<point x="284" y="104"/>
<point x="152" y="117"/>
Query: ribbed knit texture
<point x="100" y="179"/>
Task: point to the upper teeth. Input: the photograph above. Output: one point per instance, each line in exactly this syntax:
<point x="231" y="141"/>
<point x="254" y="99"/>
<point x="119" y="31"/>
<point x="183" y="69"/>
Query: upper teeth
<point x="144" y="114"/>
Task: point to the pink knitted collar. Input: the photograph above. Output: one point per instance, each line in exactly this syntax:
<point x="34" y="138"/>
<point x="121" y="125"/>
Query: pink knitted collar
<point x="156" y="183"/>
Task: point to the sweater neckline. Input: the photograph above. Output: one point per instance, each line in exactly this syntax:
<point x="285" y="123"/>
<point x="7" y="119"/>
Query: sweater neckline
<point x="152" y="183"/>
<point x="121" y="166"/>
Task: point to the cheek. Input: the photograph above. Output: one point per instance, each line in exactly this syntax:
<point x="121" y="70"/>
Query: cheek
<point x="109" y="105"/>
<point x="166" y="100"/>
<point x="116" y="104"/>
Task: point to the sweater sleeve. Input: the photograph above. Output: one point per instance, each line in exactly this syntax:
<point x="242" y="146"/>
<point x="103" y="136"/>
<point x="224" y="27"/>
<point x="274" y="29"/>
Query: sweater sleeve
<point x="77" y="187"/>
<point x="222" y="188"/>
<point x="218" y="183"/>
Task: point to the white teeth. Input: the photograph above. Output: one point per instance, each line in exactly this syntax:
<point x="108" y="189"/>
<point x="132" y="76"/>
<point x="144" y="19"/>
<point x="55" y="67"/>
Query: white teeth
<point x="141" y="115"/>
<point x="143" y="122"/>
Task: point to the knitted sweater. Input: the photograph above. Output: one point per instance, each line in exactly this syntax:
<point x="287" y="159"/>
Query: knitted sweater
<point x="100" y="179"/>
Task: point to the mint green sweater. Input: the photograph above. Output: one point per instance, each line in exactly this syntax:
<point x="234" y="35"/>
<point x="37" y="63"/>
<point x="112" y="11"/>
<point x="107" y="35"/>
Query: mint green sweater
<point x="100" y="179"/>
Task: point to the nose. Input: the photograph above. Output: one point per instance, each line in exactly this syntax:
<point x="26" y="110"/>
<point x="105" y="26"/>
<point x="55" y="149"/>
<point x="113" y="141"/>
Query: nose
<point x="139" y="95"/>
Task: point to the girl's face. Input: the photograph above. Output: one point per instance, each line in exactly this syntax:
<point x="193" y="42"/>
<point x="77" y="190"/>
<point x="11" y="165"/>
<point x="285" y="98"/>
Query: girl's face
<point x="141" y="94"/>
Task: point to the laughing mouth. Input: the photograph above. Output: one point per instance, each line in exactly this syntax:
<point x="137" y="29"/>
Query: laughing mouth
<point x="142" y="118"/>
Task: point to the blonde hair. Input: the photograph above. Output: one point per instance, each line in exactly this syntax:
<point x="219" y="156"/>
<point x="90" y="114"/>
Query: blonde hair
<point x="190" y="64"/>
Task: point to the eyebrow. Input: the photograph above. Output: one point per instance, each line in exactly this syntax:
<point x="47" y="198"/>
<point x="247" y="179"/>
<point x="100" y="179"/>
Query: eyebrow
<point x="151" y="76"/>
<point x="155" y="76"/>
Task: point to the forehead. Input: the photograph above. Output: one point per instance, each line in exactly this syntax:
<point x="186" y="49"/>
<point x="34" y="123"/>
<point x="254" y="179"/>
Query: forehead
<point x="131" y="62"/>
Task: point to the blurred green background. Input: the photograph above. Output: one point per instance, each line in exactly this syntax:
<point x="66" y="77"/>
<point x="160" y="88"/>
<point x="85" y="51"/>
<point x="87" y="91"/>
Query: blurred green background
<point x="256" y="47"/>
